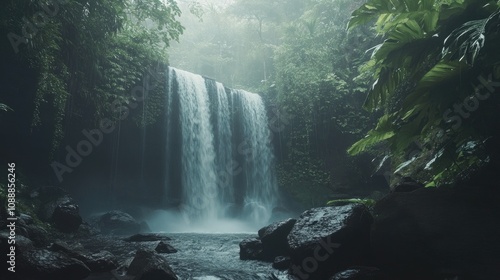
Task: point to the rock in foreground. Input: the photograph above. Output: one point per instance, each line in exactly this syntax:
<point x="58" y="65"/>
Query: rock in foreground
<point x="148" y="265"/>
<point x="326" y="240"/>
<point x="164" y="248"/>
<point x="274" y="238"/>
<point x="66" y="217"/>
<point x="46" y="265"/>
<point x="251" y="249"/>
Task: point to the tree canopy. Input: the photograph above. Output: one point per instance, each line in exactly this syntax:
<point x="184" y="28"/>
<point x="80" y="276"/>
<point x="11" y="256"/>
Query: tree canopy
<point x="86" y="52"/>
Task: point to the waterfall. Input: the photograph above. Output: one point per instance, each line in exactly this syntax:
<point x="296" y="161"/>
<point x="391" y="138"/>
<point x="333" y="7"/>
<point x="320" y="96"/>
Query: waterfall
<point x="223" y="147"/>
<point x="197" y="149"/>
<point x="219" y="157"/>
<point x="256" y="148"/>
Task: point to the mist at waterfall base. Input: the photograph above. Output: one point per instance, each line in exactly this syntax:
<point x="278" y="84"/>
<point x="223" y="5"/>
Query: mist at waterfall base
<point x="218" y="172"/>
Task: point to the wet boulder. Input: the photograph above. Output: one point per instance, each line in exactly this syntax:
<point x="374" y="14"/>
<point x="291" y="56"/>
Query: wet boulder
<point x="251" y="249"/>
<point x="118" y="222"/>
<point x="37" y="234"/>
<point x="281" y="262"/>
<point x="274" y="238"/>
<point x="101" y="262"/>
<point x="66" y="217"/>
<point x="148" y="265"/>
<point x="97" y="262"/>
<point x="326" y="240"/>
<point x="47" y="265"/>
<point x="48" y="208"/>
<point x="22" y="245"/>
<point x="165" y="248"/>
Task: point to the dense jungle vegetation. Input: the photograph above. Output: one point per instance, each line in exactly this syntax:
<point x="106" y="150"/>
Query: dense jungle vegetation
<point x="367" y="92"/>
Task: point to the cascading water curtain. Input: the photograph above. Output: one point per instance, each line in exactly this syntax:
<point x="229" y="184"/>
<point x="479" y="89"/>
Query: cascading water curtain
<point x="209" y="175"/>
<point x="260" y="183"/>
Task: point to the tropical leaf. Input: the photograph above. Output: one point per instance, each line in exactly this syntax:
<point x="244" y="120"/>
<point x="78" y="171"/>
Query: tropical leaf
<point x="389" y="14"/>
<point x="406" y="32"/>
<point x="441" y="72"/>
<point x="398" y="58"/>
<point x="382" y="132"/>
<point x="466" y="41"/>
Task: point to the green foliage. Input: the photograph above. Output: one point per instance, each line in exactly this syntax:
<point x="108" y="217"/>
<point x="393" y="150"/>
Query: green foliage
<point x="91" y="53"/>
<point x="306" y="179"/>
<point x="383" y="131"/>
<point x="318" y="83"/>
<point x="432" y="54"/>
<point x="388" y="15"/>
<point x="466" y="41"/>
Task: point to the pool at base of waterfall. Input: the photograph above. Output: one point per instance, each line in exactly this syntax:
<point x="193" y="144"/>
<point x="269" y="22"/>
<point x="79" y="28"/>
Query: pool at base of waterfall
<point x="211" y="256"/>
<point x="200" y="256"/>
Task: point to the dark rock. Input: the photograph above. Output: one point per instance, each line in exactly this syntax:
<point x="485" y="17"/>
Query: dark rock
<point x="251" y="249"/>
<point x="143" y="237"/>
<point x="272" y="242"/>
<point x="87" y="230"/>
<point x="73" y="250"/>
<point x="23" y="244"/>
<point x="101" y="262"/>
<point x="165" y="248"/>
<point x="274" y="237"/>
<point x="281" y="262"/>
<point x="97" y="262"/>
<point x="359" y="273"/>
<point x="148" y="265"/>
<point x="431" y="230"/>
<point x="328" y="239"/>
<point x="118" y="222"/>
<point x="37" y="234"/>
<point x="47" y="265"/>
<point x="48" y="208"/>
<point x="66" y="218"/>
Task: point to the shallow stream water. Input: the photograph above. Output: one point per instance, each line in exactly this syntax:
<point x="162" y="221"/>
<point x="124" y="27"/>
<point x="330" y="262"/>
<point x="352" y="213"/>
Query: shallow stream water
<point x="214" y="256"/>
<point x="200" y="256"/>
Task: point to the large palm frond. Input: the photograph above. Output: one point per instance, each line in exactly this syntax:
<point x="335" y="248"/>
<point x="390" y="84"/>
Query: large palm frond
<point x="466" y="41"/>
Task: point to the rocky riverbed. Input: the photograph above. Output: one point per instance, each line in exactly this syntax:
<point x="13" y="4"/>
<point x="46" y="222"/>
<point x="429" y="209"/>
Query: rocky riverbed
<point x="415" y="234"/>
